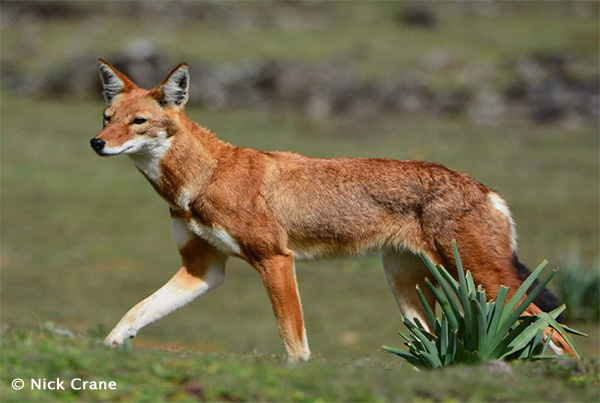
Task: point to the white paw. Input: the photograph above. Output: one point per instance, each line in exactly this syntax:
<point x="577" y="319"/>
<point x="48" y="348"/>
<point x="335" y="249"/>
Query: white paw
<point x="298" y="357"/>
<point x="117" y="337"/>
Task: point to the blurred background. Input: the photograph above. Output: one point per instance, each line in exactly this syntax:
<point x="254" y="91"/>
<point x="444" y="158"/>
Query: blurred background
<point x="505" y="91"/>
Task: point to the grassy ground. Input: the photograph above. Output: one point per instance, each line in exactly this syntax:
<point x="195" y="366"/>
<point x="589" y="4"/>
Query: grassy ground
<point x="150" y="375"/>
<point x="85" y="238"/>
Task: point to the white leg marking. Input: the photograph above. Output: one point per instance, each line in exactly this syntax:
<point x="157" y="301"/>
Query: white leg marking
<point x="181" y="233"/>
<point x="305" y="345"/>
<point x="404" y="270"/>
<point x="556" y="349"/>
<point x="173" y="295"/>
<point x="306" y="355"/>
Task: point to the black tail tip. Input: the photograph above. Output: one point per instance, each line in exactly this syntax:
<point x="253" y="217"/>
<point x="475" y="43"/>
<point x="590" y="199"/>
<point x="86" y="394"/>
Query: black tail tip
<point x="545" y="300"/>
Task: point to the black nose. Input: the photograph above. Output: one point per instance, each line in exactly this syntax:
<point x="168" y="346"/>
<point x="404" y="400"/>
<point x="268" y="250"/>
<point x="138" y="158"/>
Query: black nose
<point x="97" y="144"/>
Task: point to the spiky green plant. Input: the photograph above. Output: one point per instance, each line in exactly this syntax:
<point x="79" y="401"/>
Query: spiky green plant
<point x="472" y="329"/>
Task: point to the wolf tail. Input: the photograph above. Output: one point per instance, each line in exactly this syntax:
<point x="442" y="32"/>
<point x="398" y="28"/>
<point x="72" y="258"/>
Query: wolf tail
<point x="545" y="300"/>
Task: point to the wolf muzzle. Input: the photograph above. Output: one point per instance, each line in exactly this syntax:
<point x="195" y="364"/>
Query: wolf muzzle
<point x="97" y="144"/>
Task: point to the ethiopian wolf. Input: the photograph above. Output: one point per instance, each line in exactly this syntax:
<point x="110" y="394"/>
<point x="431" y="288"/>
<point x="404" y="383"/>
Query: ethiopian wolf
<point x="271" y="208"/>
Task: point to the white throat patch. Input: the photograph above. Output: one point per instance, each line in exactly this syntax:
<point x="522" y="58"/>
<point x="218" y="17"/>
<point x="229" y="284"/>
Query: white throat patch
<point x="150" y="153"/>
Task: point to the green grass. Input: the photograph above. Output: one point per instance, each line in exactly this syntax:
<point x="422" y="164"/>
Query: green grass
<point x="85" y="238"/>
<point x="152" y="375"/>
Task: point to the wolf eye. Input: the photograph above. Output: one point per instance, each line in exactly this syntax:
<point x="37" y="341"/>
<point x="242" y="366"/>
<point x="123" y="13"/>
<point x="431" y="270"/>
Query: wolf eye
<point x="106" y="118"/>
<point x="139" y="121"/>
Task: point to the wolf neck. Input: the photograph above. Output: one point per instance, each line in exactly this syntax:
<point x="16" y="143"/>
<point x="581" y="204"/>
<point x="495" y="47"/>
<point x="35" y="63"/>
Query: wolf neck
<point x="184" y="160"/>
<point x="148" y="163"/>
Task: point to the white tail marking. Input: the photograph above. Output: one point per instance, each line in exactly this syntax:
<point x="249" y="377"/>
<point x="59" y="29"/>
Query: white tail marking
<point x="500" y="205"/>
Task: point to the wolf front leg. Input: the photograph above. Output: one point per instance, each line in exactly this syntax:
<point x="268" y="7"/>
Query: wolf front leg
<point x="279" y="278"/>
<point x="203" y="269"/>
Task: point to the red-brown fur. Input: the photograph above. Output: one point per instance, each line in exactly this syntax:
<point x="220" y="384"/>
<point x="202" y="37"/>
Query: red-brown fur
<point x="275" y="205"/>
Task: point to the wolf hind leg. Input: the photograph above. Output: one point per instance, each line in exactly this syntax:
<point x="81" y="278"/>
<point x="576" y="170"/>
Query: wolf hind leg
<point x="404" y="271"/>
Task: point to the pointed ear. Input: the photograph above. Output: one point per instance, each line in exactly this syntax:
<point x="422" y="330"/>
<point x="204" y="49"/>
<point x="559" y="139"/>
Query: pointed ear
<point x="173" y="91"/>
<point x="113" y="81"/>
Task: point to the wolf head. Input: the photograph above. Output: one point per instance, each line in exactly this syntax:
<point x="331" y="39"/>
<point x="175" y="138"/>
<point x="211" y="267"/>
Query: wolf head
<point x="136" y="120"/>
